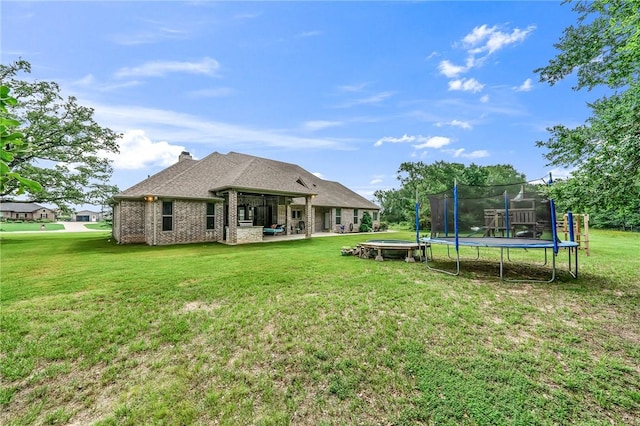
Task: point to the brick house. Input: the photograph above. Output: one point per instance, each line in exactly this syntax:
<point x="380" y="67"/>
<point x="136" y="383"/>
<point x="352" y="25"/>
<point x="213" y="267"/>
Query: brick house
<point x="233" y="198"/>
<point x="12" y="211"/>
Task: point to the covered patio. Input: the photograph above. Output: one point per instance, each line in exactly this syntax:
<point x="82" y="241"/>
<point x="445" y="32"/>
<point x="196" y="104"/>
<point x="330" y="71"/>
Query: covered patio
<point x="248" y="214"/>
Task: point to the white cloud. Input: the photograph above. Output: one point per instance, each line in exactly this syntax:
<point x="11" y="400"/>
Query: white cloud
<point x="138" y="151"/>
<point x="490" y="39"/>
<point x="185" y="128"/>
<point x="318" y="175"/>
<point x="478" y="34"/>
<point x="376" y="180"/>
<point x="484" y="99"/>
<point x="309" y="34"/>
<point x="481" y="153"/>
<point x="456" y="123"/>
<point x="461" y="152"/>
<point x="86" y="81"/>
<point x="321" y="124"/>
<point x="150" y="36"/>
<point x="422" y="141"/>
<point x="482" y="40"/>
<point x="90" y="82"/>
<point x="432" y="55"/>
<point x="373" y="99"/>
<point x="433" y="142"/>
<point x="448" y="69"/>
<point x="353" y="87"/>
<point x="391" y="139"/>
<point x="207" y="66"/>
<point x="466" y="85"/>
<point x="524" y="87"/>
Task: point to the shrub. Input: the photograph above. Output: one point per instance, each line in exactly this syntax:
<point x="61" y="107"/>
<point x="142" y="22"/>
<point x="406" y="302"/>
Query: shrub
<point x="366" y="224"/>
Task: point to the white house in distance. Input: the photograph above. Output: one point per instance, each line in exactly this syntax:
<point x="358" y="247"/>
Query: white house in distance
<point x="12" y="211"/>
<point x="87" y="216"/>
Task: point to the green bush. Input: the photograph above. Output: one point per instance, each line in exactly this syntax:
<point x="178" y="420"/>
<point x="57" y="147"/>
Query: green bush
<point x="366" y="225"/>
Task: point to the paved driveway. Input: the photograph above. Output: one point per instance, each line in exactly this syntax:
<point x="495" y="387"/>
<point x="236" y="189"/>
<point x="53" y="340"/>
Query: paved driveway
<point x="78" y="227"/>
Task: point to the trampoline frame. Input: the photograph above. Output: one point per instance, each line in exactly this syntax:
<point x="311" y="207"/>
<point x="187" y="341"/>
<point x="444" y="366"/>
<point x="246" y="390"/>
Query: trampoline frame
<point x="502" y="244"/>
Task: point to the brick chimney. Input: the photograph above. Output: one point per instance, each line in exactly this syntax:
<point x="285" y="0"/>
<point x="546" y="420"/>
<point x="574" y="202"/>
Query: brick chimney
<point x="184" y="155"/>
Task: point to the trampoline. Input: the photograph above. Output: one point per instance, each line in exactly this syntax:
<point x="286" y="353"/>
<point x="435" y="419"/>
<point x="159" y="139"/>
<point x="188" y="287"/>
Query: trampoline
<point x="506" y="217"/>
<point x="383" y="246"/>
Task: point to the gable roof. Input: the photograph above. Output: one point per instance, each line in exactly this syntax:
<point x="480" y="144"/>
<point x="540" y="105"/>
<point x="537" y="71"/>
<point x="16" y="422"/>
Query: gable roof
<point x="21" y="207"/>
<point x="217" y="172"/>
<point x="334" y="194"/>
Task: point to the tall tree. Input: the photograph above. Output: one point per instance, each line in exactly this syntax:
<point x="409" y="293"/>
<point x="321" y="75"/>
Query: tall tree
<point x="602" y="49"/>
<point x="12" y="143"/>
<point x="67" y="146"/>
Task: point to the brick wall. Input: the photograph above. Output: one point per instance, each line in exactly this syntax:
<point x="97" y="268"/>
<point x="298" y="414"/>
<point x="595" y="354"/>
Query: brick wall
<point x="249" y="234"/>
<point x="189" y="223"/>
<point x="347" y="219"/>
<point x="132" y="222"/>
<point x="232" y="235"/>
<point x="141" y="222"/>
<point x="115" y="224"/>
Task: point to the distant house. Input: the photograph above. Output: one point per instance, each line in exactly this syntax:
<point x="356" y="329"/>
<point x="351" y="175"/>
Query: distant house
<point x="11" y="211"/>
<point x="234" y="198"/>
<point x="87" y="216"/>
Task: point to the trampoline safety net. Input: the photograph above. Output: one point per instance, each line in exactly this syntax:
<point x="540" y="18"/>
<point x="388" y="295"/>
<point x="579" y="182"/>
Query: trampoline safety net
<point x="511" y="211"/>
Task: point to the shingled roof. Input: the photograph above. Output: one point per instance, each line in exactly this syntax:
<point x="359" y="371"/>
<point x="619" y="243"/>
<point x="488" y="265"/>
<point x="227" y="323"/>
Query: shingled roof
<point x="334" y="194"/>
<point x="20" y="207"/>
<point x="217" y="172"/>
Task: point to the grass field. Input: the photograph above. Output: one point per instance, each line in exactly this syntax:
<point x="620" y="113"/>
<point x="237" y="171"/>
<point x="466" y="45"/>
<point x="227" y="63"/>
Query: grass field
<point x="29" y="226"/>
<point x="294" y="333"/>
<point x="99" y="225"/>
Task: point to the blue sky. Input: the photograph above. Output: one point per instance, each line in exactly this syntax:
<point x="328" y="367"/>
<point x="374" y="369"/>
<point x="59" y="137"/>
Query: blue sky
<point x="347" y="90"/>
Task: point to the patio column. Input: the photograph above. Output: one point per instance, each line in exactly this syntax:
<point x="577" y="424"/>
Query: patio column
<point x="232" y="232"/>
<point x="287" y="229"/>
<point x="308" y="229"/>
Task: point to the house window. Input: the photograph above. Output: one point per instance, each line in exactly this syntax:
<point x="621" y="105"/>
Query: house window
<point x="43" y="215"/>
<point x="296" y="214"/>
<point x="375" y="215"/>
<point x="355" y="216"/>
<point x="167" y="215"/>
<point x="211" y="216"/>
<point x="338" y="216"/>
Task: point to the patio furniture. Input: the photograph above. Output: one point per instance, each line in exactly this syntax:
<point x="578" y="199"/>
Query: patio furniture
<point x="273" y="230"/>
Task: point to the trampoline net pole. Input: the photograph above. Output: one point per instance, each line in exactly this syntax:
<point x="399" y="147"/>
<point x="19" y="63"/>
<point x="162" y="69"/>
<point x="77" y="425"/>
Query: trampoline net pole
<point x="506" y="213"/>
<point x="570" y="219"/>
<point x="554" y="226"/>
<point x="446" y="224"/>
<point x="455" y="211"/>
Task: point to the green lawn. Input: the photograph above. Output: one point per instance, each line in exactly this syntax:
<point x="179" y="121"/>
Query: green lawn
<point x="28" y="226"/>
<point x="99" y="225"/>
<point x="294" y="333"/>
